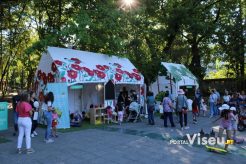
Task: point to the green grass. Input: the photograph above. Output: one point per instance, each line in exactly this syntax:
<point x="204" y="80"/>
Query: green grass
<point x="85" y="125"/>
<point x="3" y="140"/>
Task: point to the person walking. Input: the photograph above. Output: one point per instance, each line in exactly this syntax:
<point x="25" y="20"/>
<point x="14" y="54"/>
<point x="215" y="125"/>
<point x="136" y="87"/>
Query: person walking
<point x="167" y="110"/>
<point x="24" y="109"/>
<point x="181" y="107"/>
<point x="198" y="97"/>
<point x="47" y="108"/>
<point x="212" y="103"/>
<point x="151" y="107"/>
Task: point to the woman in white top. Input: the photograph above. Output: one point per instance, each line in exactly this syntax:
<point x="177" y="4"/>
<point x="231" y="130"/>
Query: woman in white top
<point x="47" y="107"/>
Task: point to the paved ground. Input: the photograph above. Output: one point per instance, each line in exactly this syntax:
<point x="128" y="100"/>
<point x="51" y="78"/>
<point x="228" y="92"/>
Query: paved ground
<point x="130" y="143"/>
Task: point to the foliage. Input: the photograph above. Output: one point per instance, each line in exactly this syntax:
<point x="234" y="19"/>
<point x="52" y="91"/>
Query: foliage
<point x="191" y="32"/>
<point x="160" y="96"/>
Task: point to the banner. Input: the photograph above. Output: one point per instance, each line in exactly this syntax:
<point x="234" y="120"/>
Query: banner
<point x="3" y="115"/>
<point x="60" y="91"/>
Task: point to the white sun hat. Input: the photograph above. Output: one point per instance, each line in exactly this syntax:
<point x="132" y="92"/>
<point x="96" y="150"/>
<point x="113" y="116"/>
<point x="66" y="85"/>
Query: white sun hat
<point x="233" y="108"/>
<point x="224" y="107"/>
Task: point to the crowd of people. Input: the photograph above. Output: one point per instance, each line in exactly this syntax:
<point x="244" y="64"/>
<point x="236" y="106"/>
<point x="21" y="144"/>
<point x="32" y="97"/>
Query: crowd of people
<point x="26" y="108"/>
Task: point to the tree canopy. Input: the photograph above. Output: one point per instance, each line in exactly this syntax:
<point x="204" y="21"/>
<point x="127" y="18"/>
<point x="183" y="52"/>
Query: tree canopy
<point x="192" y="32"/>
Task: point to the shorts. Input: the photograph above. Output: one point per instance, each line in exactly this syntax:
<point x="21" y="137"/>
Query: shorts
<point x="234" y="126"/>
<point x="120" y="116"/>
<point x="226" y="128"/>
<point x="54" y="123"/>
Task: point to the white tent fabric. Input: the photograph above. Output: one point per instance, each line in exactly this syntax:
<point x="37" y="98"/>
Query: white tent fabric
<point x="181" y="74"/>
<point x="74" y="66"/>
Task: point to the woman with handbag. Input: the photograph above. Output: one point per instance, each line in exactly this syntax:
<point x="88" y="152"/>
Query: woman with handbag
<point x="151" y="107"/>
<point x="182" y="108"/>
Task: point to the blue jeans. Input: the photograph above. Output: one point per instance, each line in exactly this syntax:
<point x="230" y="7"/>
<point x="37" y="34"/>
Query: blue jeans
<point x="213" y="109"/>
<point x="48" y="117"/>
<point x="170" y="116"/>
<point x="151" y="115"/>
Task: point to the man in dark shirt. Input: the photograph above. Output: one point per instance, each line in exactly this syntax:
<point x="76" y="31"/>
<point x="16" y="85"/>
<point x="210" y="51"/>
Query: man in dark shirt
<point x="15" y="100"/>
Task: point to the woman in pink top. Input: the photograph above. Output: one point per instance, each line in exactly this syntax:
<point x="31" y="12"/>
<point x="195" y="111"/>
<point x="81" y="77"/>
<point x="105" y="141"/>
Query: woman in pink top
<point x="24" y="109"/>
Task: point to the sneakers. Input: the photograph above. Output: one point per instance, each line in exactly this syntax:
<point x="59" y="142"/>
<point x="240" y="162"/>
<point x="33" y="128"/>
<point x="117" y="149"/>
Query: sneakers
<point x="32" y="135"/>
<point x="35" y="133"/>
<point x="186" y="127"/>
<point x="49" y="141"/>
<point x="18" y="151"/>
<point x="182" y="128"/>
<point x="29" y="151"/>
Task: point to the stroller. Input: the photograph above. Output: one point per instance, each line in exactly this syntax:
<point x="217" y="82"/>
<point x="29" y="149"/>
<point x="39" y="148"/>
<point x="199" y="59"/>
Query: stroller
<point x="134" y="114"/>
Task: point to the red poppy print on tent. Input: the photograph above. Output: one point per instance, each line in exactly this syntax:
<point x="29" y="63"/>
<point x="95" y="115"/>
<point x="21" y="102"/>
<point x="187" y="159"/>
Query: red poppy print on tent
<point x="100" y="74"/>
<point x="135" y="70"/>
<point x="129" y="74"/>
<point x="106" y="67"/>
<point x="118" y="65"/>
<point x="89" y="72"/>
<point x="119" y="71"/>
<point x="76" y="60"/>
<point x="39" y="74"/>
<point x="136" y="76"/>
<point x="44" y="78"/>
<point x="63" y="79"/>
<point x="51" y="78"/>
<point x="100" y="67"/>
<point x="58" y="62"/>
<point x="72" y="74"/>
<point x="118" y="77"/>
<point x="53" y="67"/>
<point x="76" y="67"/>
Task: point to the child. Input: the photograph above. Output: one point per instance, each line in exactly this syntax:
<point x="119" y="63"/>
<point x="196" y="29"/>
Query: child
<point x="54" y="123"/>
<point x="204" y="108"/>
<point x="120" y="113"/>
<point x="234" y="121"/>
<point x="194" y="110"/>
<point x="225" y="123"/>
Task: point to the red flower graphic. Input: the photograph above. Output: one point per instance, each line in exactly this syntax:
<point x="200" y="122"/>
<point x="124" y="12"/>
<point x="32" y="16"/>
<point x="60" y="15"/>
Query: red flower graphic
<point x="76" y="67"/>
<point x="118" y="65"/>
<point x="72" y="74"/>
<point x="51" y="78"/>
<point x="136" y="76"/>
<point x="77" y="61"/>
<point x="39" y="74"/>
<point x="90" y="72"/>
<point x="129" y="74"/>
<point x="106" y="67"/>
<point x="53" y="67"/>
<point x="100" y="67"/>
<point x="100" y="74"/>
<point x="44" y="78"/>
<point x="118" y="77"/>
<point x="58" y="62"/>
<point x="135" y="70"/>
<point x="119" y="70"/>
<point x="63" y="79"/>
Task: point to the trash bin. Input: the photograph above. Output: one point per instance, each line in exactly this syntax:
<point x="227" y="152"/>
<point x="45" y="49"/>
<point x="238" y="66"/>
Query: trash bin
<point x="3" y="116"/>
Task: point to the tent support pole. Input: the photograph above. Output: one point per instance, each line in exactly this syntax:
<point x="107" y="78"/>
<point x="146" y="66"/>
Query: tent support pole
<point x="171" y="88"/>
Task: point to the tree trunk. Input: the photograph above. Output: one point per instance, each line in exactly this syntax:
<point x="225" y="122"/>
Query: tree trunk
<point x="195" y="65"/>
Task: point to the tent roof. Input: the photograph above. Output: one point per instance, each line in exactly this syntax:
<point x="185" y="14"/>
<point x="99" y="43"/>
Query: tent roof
<point x="178" y="71"/>
<point x="85" y="67"/>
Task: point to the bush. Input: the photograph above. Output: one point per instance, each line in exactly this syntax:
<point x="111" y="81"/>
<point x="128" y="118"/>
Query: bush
<point x="160" y="96"/>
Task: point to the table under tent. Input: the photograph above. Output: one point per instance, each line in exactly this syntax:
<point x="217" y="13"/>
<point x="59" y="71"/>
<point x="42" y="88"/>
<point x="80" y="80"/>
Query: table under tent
<point x="78" y="80"/>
